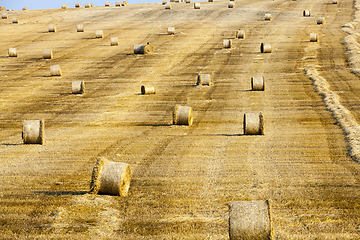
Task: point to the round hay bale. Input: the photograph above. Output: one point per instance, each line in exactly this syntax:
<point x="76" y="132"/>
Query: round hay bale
<point x="168" y="6"/>
<point x="183" y="115"/>
<point x="267" y="17"/>
<point x="147" y="89"/>
<point x="257" y="84"/>
<point x="99" y="34"/>
<point x="92" y="5"/>
<point x="321" y="20"/>
<point x="196" y="5"/>
<point x="52" y="28"/>
<point x="171" y="30"/>
<point x="117" y="4"/>
<point x="33" y="132"/>
<point x="12" y="52"/>
<point x="204" y="79"/>
<point x="25" y="8"/>
<point x="265" y="48"/>
<point x="187" y="1"/>
<point x="227" y="43"/>
<point x="114" y="41"/>
<point x="313" y="37"/>
<point x="306" y="13"/>
<point x="253" y="124"/>
<point x="107" y="4"/>
<point x="80" y="28"/>
<point x="334" y="1"/>
<point x="138" y="49"/>
<point x="64" y="6"/>
<point x="88" y="5"/>
<point x="112" y="178"/>
<point x="4" y="15"/>
<point x="125" y="3"/>
<point x="78" y="87"/>
<point x="240" y="34"/>
<point x="47" y="54"/>
<point x="231" y="5"/>
<point x="78" y="5"/>
<point x="55" y="70"/>
<point x="2" y="8"/>
<point x="15" y="20"/>
<point x="250" y="220"/>
<point x="164" y="2"/>
<point x="143" y="49"/>
<point x="210" y="0"/>
<point x="177" y="1"/>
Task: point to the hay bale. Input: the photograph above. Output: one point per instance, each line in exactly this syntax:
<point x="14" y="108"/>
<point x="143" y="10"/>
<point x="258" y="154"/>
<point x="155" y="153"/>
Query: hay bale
<point x="172" y="1"/>
<point x="227" y="43"/>
<point x="88" y="5"/>
<point x="55" y="70"/>
<point x="210" y="0"/>
<point x="171" y="30"/>
<point x="64" y="6"/>
<point x="15" y="20"/>
<point x="267" y="17"/>
<point x="321" y="20"/>
<point x="78" y="87"/>
<point x="257" y="84"/>
<point x="177" y="1"/>
<point x="107" y="4"/>
<point x="147" y="89"/>
<point x="92" y="5"/>
<point x="204" y="79"/>
<point x="99" y="34"/>
<point x="231" y="5"/>
<point x="143" y="49"/>
<point x="306" y="13"/>
<point x="111" y="178"/>
<point x="168" y="6"/>
<point x="125" y="3"/>
<point x="265" y="48"/>
<point x="313" y="37"/>
<point x="25" y="8"/>
<point x="164" y="2"/>
<point x="240" y="34"/>
<point x="80" y="28"/>
<point x="196" y="5"/>
<point x="12" y="52"/>
<point x="183" y="115"/>
<point x="117" y="4"/>
<point x="2" y="9"/>
<point x="78" y="5"/>
<point x="52" y="28"/>
<point x="4" y="15"/>
<point x="250" y="220"/>
<point x="47" y="54"/>
<point x="187" y="1"/>
<point x="33" y="132"/>
<point x="253" y="124"/>
<point x="114" y="41"/>
<point x="334" y="1"/>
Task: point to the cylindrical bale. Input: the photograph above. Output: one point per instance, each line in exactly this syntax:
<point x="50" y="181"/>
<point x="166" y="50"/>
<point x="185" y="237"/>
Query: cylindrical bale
<point x="306" y="13"/>
<point x="15" y="20"/>
<point x="210" y="0"/>
<point x="265" y="47"/>
<point x="313" y="37"/>
<point x="253" y="124"/>
<point x="267" y="17"/>
<point x="4" y="15"/>
<point x="87" y="5"/>
<point x="2" y="8"/>
<point x="64" y="6"/>
<point x="55" y="70"/>
<point x="204" y="79"/>
<point x="33" y="132"/>
<point x="25" y="8"/>
<point x="164" y="2"/>
<point x="187" y="1"/>
<point x="78" y="5"/>
<point x="321" y="20"/>
<point x="52" y="28"/>
<point x="78" y="87"/>
<point x="92" y="5"/>
<point x="117" y="4"/>
<point x="240" y="34"/>
<point x="47" y="54"/>
<point x="80" y="28"/>
<point x="257" y="84"/>
<point x="183" y="115"/>
<point x="12" y="52"/>
<point x="138" y="49"/>
<point x="334" y="1"/>
<point x="112" y="178"/>
<point x="114" y="41"/>
<point x="249" y="220"/>
<point x="168" y="6"/>
<point x="124" y="3"/>
<point x="227" y="43"/>
<point x="107" y="4"/>
<point x="99" y="34"/>
<point x="196" y="5"/>
<point x="148" y="89"/>
<point x="231" y="5"/>
<point x="172" y="1"/>
<point x="143" y="49"/>
<point x="171" y="30"/>
<point x="177" y="1"/>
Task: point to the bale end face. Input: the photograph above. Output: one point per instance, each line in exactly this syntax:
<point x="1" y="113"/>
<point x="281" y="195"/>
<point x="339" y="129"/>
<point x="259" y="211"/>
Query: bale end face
<point x="253" y="124"/>
<point x="204" y="79"/>
<point x="12" y="52"/>
<point x="183" y="115"/>
<point x="33" y="132"/>
<point x="250" y="220"/>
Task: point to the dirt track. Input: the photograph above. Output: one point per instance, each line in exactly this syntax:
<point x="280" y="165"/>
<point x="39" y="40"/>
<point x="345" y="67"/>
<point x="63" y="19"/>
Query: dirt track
<point x="183" y="177"/>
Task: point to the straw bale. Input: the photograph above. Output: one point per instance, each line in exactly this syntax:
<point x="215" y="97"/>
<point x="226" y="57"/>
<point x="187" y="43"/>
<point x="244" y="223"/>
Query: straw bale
<point x="313" y="37"/>
<point x="78" y="87"/>
<point x="64" y="6"/>
<point x="33" y="132"/>
<point x="118" y="4"/>
<point x="183" y="115"/>
<point x="92" y="5"/>
<point x="114" y="41"/>
<point x="204" y="79"/>
<point x="15" y="20"/>
<point x="12" y="52"/>
<point x="112" y="178"/>
<point x="227" y="43"/>
<point x="249" y="220"/>
<point x="4" y="15"/>
<point x="168" y="6"/>
<point x="125" y="3"/>
<point x="171" y="30"/>
<point x="231" y="5"/>
<point x="88" y="5"/>
<point x="187" y="1"/>
<point x="253" y="124"/>
<point x="147" y="89"/>
<point x="52" y="28"/>
<point x="210" y="0"/>
<point x="47" y="54"/>
<point x="267" y="17"/>
<point x="321" y="20"/>
<point x="334" y="1"/>
<point x="2" y="9"/>
<point x="80" y="28"/>
<point x="99" y="34"/>
<point x="143" y="49"/>
<point x="77" y="5"/>
<point x="25" y="8"/>
<point x="164" y="2"/>
<point x="257" y="84"/>
<point x="240" y="34"/>
<point x="306" y="13"/>
<point x="265" y="47"/>
<point x="196" y="5"/>
<point x="107" y="4"/>
<point x="55" y="70"/>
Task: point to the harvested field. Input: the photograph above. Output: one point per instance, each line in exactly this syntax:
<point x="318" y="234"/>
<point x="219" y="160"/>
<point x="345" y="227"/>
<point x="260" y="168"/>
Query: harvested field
<point x="183" y="178"/>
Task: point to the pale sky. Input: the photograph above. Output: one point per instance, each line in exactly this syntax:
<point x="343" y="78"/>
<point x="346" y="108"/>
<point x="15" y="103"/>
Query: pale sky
<point x="42" y="4"/>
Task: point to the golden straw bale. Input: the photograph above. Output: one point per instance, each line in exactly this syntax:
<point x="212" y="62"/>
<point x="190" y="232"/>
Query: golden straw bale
<point x="196" y="5"/>
<point x="64" y="6"/>
<point x="33" y="132"/>
<point x="78" y="87"/>
<point x="114" y="41"/>
<point x="183" y="115"/>
<point x="240" y="34"/>
<point x="257" y="84"/>
<point x="306" y="13"/>
<point x="321" y="21"/>
<point x="78" y="5"/>
<point x="314" y="37"/>
<point x="80" y="28"/>
<point x="55" y="70"/>
<point x="15" y="20"/>
<point x="12" y="52"/>
<point x="231" y="5"/>
<point x="267" y="17"/>
<point x="253" y="124"/>
<point x="99" y="34"/>
<point x="204" y="79"/>
<point x="227" y="43"/>
<point x="148" y="89"/>
<point x="265" y="47"/>
<point x="52" y="28"/>
<point x="47" y="54"/>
